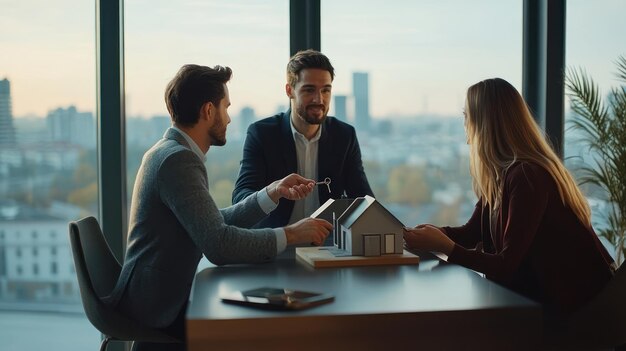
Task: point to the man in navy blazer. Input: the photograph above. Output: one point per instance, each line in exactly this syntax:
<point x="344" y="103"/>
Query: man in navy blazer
<point x="303" y="140"/>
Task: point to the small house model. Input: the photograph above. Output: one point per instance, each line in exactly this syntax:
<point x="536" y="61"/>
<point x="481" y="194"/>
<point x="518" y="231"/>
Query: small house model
<point x="330" y="211"/>
<point x="365" y="228"/>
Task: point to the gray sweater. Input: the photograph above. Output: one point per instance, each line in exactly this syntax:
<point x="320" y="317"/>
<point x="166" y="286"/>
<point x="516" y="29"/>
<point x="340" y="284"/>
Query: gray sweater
<point x="173" y="221"/>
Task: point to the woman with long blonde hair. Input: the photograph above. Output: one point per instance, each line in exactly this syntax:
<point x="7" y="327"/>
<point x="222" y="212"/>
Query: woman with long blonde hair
<point x="531" y="228"/>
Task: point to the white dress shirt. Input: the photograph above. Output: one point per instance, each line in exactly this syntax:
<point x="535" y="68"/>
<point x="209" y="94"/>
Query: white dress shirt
<point x="306" y="154"/>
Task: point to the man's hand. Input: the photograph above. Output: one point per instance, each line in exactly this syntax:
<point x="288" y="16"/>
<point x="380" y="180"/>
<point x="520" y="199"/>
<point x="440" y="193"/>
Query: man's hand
<point x="292" y="187"/>
<point x="308" y="230"/>
<point x="429" y="238"/>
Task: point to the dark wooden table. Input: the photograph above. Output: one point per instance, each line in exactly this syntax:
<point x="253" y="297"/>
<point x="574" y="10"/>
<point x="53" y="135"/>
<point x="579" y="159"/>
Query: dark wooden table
<point x="433" y="305"/>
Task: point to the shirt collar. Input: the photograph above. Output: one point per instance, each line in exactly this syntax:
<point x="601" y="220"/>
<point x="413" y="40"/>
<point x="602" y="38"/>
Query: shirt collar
<point x="194" y="147"/>
<point x="296" y="133"/>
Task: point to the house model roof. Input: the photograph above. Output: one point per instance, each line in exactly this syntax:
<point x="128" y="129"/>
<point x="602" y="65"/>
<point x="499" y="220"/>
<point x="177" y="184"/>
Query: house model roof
<point x="359" y="207"/>
<point x="338" y="206"/>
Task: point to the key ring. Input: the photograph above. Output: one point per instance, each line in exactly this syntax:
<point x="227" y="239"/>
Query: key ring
<point x="326" y="181"/>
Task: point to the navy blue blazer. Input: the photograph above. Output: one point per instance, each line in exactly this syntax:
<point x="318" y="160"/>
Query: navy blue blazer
<point x="269" y="154"/>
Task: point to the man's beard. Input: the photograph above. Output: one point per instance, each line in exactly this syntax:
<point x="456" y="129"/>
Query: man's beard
<point x="218" y="134"/>
<point x="313" y="119"/>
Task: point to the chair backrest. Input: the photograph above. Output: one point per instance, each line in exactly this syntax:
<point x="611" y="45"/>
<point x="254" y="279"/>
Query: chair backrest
<point x="93" y="253"/>
<point x="97" y="271"/>
<point x="602" y="322"/>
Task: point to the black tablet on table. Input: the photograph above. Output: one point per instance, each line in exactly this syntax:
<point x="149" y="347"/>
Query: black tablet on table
<point x="277" y="298"/>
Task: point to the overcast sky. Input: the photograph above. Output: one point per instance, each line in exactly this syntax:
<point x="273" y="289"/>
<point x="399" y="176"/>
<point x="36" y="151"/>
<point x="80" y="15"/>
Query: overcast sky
<point x="421" y="55"/>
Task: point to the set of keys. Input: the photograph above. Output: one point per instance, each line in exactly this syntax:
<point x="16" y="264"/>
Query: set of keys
<point x="326" y="181"/>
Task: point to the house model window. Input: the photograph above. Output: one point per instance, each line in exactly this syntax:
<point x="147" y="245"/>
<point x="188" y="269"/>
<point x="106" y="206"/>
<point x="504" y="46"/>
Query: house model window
<point x="362" y="227"/>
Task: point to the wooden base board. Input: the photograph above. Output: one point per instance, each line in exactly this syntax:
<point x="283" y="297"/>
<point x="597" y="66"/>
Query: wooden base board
<point x="321" y="257"/>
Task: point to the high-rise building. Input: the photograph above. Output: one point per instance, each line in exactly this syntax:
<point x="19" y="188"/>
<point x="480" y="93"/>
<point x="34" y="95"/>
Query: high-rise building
<point x="70" y="126"/>
<point x="360" y="89"/>
<point x="246" y="118"/>
<point x="340" y="107"/>
<point x="142" y="133"/>
<point x="7" y="130"/>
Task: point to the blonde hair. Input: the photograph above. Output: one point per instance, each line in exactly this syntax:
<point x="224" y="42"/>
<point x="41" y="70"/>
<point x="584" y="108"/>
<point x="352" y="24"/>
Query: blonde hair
<point x="502" y="131"/>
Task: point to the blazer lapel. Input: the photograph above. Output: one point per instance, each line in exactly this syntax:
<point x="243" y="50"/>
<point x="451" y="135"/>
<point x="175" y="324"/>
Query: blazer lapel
<point x="288" y="145"/>
<point x="324" y="161"/>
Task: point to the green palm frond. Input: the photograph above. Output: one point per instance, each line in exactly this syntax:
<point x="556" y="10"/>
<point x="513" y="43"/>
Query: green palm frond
<point x="621" y="68"/>
<point x="603" y="128"/>
<point x="619" y="103"/>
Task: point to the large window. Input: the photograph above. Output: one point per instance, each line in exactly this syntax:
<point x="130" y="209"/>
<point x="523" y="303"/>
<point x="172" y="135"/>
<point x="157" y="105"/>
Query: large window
<point x="402" y="73"/>
<point x="251" y="37"/>
<point x="594" y="32"/>
<point x="47" y="169"/>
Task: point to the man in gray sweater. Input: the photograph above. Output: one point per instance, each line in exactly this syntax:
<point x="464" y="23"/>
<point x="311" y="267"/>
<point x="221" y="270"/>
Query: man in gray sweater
<point x="174" y="220"/>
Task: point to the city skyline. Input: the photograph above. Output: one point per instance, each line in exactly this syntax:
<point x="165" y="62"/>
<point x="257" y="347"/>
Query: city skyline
<point x="419" y="57"/>
<point x="420" y="60"/>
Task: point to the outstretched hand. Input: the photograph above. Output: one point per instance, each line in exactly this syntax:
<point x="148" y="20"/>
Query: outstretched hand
<point x="292" y="187"/>
<point x="428" y="237"/>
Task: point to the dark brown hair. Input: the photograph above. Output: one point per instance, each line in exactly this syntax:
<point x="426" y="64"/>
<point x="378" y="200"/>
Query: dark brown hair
<point x="307" y="59"/>
<point x="192" y="87"/>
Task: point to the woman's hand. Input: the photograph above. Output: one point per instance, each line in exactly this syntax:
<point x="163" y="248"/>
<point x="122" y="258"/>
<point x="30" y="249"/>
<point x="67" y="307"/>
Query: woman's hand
<point x="429" y="238"/>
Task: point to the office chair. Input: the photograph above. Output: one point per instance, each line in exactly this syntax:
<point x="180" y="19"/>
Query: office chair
<point x="599" y="324"/>
<point x="97" y="270"/>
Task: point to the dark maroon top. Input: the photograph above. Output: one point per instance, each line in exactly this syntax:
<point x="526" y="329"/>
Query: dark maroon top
<point x="538" y="246"/>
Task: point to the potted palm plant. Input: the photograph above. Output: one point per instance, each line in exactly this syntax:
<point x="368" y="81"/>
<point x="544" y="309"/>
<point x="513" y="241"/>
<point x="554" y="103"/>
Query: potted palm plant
<point x="602" y="124"/>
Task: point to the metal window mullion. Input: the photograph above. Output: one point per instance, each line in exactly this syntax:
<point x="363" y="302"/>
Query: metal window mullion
<point x="304" y="25"/>
<point x="111" y="123"/>
<point x="544" y="65"/>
